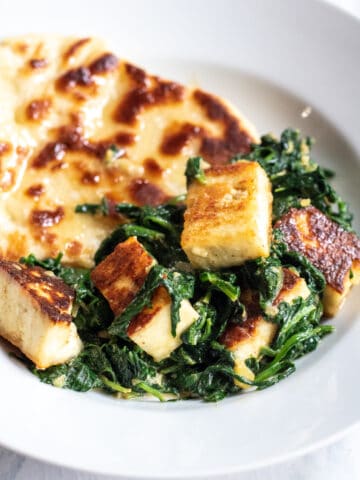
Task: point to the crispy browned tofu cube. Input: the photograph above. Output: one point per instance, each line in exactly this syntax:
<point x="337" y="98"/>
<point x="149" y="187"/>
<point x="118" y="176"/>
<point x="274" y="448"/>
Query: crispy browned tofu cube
<point x="333" y="250"/>
<point x="247" y="339"/>
<point x="228" y="219"/>
<point x="35" y="314"/>
<point x="151" y="328"/>
<point x="121" y="274"/>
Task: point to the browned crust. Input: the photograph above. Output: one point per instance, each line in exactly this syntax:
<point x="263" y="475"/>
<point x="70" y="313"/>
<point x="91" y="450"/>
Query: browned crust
<point x="290" y="279"/>
<point x="74" y="47"/>
<point x="76" y="77"/>
<point x="38" y="109"/>
<point x="74" y="248"/>
<point x="129" y="261"/>
<point x="236" y="333"/>
<point x="38" y="63"/>
<point x="144" y="192"/>
<point x="52" y="151"/>
<point x="70" y="138"/>
<point x="177" y="137"/>
<point x="90" y="178"/>
<point x="52" y="295"/>
<point x="146" y="92"/>
<point x="159" y="299"/>
<point x="204" y="201"/>
<point x="234" y="139"/>
<point x="137" y="74"/>
<point x="152" y="168"/>
<point x="106" y="63"/>
<point x="35" y="190"/>
<point x="231" y="168"/>
<point x="83" y="76"/>
<point x="327" y="245"/>
<point x="46" y="218"/>
<point x="5" y="147"/>
<point x="124" y="139"/>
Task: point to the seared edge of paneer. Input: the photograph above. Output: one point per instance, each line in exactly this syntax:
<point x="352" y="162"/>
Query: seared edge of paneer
<point x="333" y="250"/>
<point x="119" y="277"/>
<point x="247" y="339"/>
<point x="35" y="314"/>
<point x="228" y="218"/>
<point x="121" y="274"/>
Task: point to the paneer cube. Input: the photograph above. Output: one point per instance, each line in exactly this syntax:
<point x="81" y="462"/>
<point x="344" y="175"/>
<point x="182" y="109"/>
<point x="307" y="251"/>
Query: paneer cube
<point x="121" y="274"/>
<point x="333" y="250"/>
<point x="35" y="314"/>
<point x="228" y="219"/>
<point x="151" y="328"/>
<point x="247" y="340"/>
<point x="119" y="277"/>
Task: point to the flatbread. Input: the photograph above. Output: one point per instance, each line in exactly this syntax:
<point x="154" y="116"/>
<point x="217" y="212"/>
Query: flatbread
<point x="64" y="104"/>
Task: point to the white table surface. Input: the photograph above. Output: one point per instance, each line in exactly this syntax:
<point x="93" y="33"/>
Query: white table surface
<point x="339" y="461"/>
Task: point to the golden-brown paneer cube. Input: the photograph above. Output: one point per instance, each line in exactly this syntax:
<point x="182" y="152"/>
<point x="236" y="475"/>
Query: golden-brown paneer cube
<point x="247" y="340"/>
<point x="333" y="250"/>
<point x="151" y="328"/>
<point x="228" y="219"/>
<point x="121" y="274"/>
<point x="35" y="314"/>
<point x="119" y="277"/>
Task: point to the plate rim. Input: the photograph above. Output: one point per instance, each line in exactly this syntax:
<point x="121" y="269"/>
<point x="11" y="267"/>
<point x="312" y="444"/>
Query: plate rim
<point x="295" y="453"/>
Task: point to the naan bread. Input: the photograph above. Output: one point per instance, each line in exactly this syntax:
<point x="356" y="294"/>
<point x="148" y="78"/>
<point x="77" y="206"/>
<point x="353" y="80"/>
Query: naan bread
<point x="64" y="104"/>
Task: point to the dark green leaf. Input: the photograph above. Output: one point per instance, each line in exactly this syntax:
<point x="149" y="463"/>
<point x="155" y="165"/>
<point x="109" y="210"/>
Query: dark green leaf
<point x="179" y="285"/>
<point x="224" y="282"/>
<point x="75" y="376"/>
<point x="296" y="178"/>
<point x="194" y="171"/>
<point x="93" y="208"/>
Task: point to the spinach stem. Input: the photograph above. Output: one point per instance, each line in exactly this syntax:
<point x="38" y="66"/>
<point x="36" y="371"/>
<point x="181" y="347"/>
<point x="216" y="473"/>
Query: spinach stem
<point x="144" y="386"/>
<point x="114" y="386"/>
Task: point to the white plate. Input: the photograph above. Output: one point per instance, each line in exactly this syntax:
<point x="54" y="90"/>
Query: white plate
<point x="272" y="59"/>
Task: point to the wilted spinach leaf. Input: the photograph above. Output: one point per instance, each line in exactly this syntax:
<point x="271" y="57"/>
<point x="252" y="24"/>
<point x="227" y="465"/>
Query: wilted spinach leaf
<point x="296" y="179"/>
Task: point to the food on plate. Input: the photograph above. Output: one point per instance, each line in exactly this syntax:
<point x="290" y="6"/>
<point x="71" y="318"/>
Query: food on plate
<point x="119" y="277"/>
<point x="78" y="123"/>
<point x="121" y="274"/>
<point x="151" y="243"/>
<point x="35" y="314"/>
<point x="151" y="328"/>
<point x="333" y="250"/>
<point x="154" y="322"/>
<point x="245" y="340"/>
<point x="228" y="216"/>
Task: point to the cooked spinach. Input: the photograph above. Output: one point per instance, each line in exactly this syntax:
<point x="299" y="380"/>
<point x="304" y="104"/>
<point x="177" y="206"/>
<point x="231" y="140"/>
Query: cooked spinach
<point x="296" y="179"/>
<point x="299" y="333"/>
<point x="314" y="278"/>
<point x="194" y="171"/>
<point x="75" y="375"/>
<point x="201" y="330"/>
<point x="264" y="275"/>
<point x="224" y="282"/>
<point x="201" y="367"/>
<point x="158" y="228"/>
<point x="110" y="367"/>
<point x="91" y="310"/>
<point x="93" y="208"/>
<point x="180" y="286"/>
